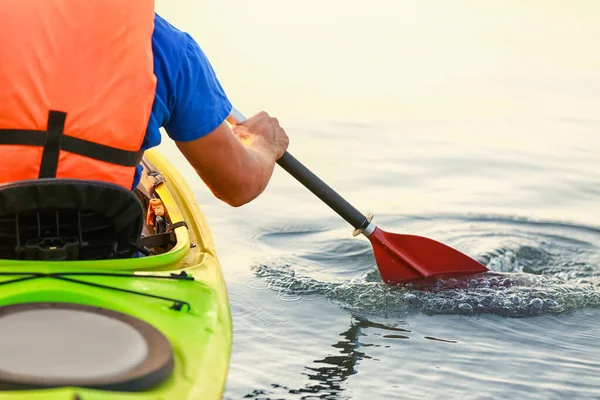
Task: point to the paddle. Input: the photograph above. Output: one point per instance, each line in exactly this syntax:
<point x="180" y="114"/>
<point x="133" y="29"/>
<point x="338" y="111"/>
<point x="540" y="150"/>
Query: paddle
<point x="400" y="258"/>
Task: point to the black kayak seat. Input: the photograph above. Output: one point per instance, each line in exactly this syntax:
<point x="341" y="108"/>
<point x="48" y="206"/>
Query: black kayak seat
<point x="68" y="219"/>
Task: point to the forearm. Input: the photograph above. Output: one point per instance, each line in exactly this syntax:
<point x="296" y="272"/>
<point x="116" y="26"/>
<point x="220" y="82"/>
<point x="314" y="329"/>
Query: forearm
<point x="263" y="164"/>
<point x="244" y="178"/>
<point x="235" y="169"/>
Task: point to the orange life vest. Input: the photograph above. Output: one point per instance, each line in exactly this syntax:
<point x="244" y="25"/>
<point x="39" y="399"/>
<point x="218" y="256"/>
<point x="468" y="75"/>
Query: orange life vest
<point x="77" y="86"/>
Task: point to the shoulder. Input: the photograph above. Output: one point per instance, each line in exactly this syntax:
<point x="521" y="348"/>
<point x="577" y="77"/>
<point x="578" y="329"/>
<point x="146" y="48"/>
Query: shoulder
<point x="165" y="33"/>
<point x="176" y="54"/>
<point x="172" y="46"/>
<point x="168" y="45"/>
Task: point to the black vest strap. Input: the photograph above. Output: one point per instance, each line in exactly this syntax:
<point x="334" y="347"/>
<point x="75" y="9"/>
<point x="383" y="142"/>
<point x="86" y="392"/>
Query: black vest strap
<point x="53" y="140"/>
<point x="54" y="136"/>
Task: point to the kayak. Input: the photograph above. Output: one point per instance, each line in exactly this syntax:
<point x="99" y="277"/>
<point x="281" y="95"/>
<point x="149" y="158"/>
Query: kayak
<point x="89" y="312"/>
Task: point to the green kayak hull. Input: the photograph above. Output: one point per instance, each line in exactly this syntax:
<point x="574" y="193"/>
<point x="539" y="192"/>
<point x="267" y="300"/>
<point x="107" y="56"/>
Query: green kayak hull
<point x="181" y="293"/>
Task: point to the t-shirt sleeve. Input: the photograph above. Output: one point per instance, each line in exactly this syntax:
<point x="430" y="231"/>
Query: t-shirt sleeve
<point x="199" y="103"/>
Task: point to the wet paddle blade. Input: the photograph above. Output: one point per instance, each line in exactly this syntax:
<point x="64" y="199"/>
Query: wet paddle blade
<point x="402" y="258"/>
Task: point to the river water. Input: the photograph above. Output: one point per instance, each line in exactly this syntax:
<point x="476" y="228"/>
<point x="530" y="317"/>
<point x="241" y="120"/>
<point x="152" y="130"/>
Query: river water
<point x="474" y="123"/>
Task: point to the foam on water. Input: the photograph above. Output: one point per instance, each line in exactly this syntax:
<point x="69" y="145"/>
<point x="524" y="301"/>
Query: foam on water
<point x="538" y="268"/>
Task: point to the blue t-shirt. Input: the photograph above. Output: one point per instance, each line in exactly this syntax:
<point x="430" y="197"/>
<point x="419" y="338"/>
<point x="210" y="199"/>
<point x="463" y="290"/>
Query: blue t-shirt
<point x="189" y="101"/>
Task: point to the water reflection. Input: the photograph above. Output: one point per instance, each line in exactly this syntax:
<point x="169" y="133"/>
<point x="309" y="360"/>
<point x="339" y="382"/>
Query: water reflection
<point x="331" y="372"/>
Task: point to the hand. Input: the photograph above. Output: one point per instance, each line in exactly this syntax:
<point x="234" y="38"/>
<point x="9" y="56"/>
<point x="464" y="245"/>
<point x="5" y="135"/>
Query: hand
<point x="263" y="131"/>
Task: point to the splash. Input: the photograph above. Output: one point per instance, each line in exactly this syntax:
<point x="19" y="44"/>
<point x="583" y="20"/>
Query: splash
<point x="511" y="295"/>
<point x="537" y="268"/>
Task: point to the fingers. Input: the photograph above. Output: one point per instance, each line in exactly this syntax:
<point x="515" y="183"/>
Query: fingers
<point x="263" y="115"/>
<point x="270" y="130"/>
<point x="283" y="142"/>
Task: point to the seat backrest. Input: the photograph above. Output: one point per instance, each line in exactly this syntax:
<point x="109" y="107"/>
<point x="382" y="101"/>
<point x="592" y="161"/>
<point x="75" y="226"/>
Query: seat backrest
<point x="68" y="219"/>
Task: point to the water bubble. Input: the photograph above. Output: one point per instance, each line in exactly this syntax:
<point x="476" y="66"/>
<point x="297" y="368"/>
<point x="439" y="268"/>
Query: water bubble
<point x="536" y="303"/>
<point x="412" y="299"/>
<point x="516" y="300"/>
<point x="465" y="308"/>
<point x="550" y="303"/>
<point x="356" y="280"/>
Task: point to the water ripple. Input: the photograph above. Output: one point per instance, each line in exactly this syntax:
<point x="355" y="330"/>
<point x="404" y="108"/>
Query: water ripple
<point x="537" y="268"/>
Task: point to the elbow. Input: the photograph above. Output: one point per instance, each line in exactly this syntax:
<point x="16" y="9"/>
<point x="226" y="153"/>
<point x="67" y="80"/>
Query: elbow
<point x="238" y="197"/>
<point x="237" y="190"/>
<point x="236" y="201"/>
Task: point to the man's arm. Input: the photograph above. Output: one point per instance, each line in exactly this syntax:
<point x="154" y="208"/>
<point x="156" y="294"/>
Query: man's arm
<point x="237" y="164"/>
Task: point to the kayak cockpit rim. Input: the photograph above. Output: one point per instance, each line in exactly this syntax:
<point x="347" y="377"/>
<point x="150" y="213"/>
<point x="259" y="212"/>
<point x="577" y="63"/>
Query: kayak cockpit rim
<point x="168" y="260"/>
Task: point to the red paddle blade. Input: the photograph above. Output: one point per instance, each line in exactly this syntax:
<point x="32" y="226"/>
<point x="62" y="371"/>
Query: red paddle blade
<point x="403" y="258"/>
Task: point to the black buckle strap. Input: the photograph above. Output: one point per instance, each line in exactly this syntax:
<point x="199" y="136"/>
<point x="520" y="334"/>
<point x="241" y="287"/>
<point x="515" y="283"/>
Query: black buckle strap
<point x="175" y="225"/>
<point x="53" y="139"/>
<point x="160" y="239"/>
<point x="156" y="240"/>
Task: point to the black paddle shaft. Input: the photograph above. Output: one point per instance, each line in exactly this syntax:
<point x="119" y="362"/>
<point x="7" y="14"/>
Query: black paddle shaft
<point x="323" y="191"/>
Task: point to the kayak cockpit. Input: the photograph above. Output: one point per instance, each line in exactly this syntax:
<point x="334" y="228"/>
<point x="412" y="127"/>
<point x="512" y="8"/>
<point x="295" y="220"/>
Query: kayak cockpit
<point x="57" y="220"/>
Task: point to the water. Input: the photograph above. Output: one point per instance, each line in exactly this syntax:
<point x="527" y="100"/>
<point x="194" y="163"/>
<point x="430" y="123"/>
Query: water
<point x="472" y="123"/>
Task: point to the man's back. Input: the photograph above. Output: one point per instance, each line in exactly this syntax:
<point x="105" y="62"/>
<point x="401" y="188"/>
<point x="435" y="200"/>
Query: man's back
<point x="76" y="88"/>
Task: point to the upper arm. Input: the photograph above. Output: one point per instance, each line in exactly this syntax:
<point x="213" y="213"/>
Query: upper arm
<point x="192" y="106"/>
